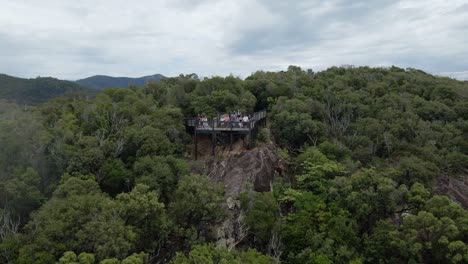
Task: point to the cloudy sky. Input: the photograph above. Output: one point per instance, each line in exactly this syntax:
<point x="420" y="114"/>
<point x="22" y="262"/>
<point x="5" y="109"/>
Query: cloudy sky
<point x="76" y="39"/>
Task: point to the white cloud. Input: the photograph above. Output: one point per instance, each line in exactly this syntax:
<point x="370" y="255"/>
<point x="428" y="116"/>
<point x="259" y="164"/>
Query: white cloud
<point x="75" y="39"/>
<point x="462" y="75"/>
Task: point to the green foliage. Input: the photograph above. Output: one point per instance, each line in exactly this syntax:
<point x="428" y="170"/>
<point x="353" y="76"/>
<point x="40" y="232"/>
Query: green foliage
<point x="413" y="169"/>
<point x="317" y="170"/>
<point x="38" y="90"/>
<point x="196" y="208"/>
<point x="79" y="217"/>
<point x="70" y="257"/>
<point x="210" y="255"/>
<point x="221" y="95"/>
<point x="110" y="261"/>
<point x="334" y="151"/>
<point x="142" y="210"/>
<point x="9" y="246"/>
<point x="141" y="258"/>
<point x="368" y="196"/>
<point x="293" y="124"/>
<point x="105" y="180"/>
<point x="372" y="112"/>
<point x="101" y="81"/>
<point x="319" y="233"/>
<point x="417" y="195"/>
<point x="160" y="173"/>
<point x="21" y="194"/>
<point x="435" y="234"/>
<point x="262" y="214"/>
<point x="86" y="258"/>
<point x="264" y="135"/>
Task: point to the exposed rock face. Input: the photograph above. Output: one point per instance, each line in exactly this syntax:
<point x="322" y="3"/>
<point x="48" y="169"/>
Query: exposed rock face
<point x="236" y="170"/>
<point x="256" y="167"/>
<point x="455" y="188"/>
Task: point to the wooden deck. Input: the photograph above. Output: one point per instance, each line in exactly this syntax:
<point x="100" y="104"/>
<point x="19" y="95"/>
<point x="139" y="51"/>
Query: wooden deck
<point x="215" y="125"/>
<point x="217" y="128"/>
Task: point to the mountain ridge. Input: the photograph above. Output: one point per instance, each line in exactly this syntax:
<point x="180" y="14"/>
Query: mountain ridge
<point x="33" y="91"/>
<point x="100" y="82"/>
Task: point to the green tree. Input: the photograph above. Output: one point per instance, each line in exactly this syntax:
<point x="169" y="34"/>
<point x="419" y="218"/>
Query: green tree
<point x="262" y="215"/>
<point x="160" y="173"/>
<point x="209" y="254"/>
<point x="80" y="218"/>
<point x="196" y="208"/>
<point x="292" y="122"/>
<point x="142" y="210"/>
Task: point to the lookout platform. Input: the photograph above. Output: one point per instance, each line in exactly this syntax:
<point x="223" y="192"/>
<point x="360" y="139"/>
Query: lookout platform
<point x="218" y="128"/>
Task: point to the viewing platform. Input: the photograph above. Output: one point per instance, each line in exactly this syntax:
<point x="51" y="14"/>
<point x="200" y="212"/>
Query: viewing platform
<point x="218" y="124"/>
<point x="223" y="128"/>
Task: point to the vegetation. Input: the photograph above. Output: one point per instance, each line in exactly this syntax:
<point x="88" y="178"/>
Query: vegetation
<point x="101" y="81"/>
<point x="106" y="180"/>
<point x="38" y="90"/>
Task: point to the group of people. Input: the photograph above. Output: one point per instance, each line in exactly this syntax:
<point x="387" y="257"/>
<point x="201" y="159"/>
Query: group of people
<point x="202" y="121"/>
<point x="235" y="119"/>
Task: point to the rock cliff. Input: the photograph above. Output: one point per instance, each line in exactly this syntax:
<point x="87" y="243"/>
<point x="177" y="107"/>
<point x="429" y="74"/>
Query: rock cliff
<point x="236" y="171"/>
<point x="456" y="188"/>
<point x="241" y="170"/>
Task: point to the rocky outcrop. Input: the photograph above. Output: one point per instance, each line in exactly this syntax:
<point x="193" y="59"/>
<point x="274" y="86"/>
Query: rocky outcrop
<point x="256" y="167"/>
<point x="456" y="188"/>
<point x="240" y="170"/>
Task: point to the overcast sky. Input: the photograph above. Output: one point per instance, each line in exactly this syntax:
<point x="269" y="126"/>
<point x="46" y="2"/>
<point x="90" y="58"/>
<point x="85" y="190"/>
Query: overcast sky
<point x="77" y="39"/>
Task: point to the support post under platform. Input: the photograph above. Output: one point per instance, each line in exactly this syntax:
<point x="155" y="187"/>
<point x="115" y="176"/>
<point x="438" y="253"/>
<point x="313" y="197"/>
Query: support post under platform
<point x="230" y="137"/>
<point x="213" y="140"/>
<point x="196" y="144"/>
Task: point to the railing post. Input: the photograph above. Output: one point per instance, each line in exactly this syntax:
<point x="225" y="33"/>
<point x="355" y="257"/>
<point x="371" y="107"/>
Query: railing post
<point x="250" y="136"/>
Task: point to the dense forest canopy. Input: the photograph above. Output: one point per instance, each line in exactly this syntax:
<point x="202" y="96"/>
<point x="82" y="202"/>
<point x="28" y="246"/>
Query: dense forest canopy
<point x="102" y="81"/>
<point x="107" y="180"/>
<point x="39" y="90"/>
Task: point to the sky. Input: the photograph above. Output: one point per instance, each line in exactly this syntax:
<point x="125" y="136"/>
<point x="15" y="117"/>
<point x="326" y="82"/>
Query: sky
<point x="76" y="39"/>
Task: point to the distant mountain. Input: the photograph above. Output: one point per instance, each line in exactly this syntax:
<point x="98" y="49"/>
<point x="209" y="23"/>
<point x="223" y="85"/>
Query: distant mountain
<point x="38" y="90"/>
<point x="101" y="81"/>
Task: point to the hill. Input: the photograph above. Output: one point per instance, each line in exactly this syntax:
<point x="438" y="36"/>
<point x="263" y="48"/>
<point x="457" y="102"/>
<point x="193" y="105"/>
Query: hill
<point x="354" y="165"/>
<point x="38" y="90"/>
<point x="102" y="81"/>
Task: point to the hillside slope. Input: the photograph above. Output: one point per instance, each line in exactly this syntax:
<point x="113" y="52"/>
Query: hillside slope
<point x="355" y="165"/>
<point x="101" y="81"/>
<point x="38" y="90"/>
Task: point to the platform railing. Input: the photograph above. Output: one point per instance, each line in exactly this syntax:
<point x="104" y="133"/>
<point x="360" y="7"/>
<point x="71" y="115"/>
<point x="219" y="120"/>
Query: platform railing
<point x="219" y="122"/>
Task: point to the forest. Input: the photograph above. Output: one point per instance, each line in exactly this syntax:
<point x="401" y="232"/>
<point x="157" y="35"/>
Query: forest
<point x="38" y="90"/>
<point x="109" y="179"/>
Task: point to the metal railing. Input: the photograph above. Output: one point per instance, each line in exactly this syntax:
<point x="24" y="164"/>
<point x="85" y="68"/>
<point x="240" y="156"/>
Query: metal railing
<point x="224" y="123"/>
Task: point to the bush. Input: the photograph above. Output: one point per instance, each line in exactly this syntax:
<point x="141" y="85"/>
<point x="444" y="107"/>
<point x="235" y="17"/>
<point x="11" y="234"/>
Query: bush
<point x="264" y="135"/>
